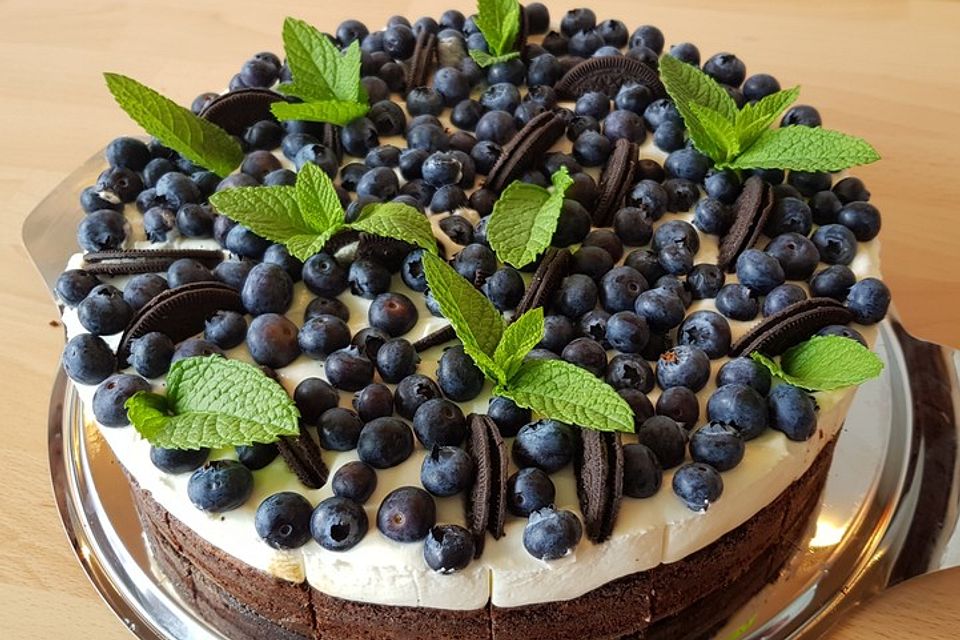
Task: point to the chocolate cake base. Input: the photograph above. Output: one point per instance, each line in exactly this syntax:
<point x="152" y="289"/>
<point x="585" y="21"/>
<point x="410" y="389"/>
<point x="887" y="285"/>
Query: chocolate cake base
<point x="681" y="600"/>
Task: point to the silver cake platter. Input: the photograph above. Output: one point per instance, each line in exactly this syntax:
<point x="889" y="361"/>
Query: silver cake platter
<point x="886" y="513"/>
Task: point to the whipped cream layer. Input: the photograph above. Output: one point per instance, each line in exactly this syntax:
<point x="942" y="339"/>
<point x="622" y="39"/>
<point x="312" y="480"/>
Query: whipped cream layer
<point x="648" y="532"/>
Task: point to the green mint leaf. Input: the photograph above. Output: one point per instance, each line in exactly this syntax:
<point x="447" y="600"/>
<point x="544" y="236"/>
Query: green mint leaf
<point x="518" y="339"/>
<point x="804" y="149"/>
<point x="399" y="221"/>
<point x="196" y="139"/>
<point x="756" y="117"/>
<point x="524" y="219"/>
<point x="485" y="60"/>
<point x="333" y="111"/>
<point x="320" y="72"/>
<point x="317" y="198"/>
<point x="565" y="392"/>
<point x="824" y="363"/>
<point x="477" y="323"/>
<point x="499" y="22"/>
<point x="722" y="142"/>
<point x="214" y="402"/>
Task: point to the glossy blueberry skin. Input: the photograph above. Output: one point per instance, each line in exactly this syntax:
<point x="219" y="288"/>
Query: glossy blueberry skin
<point x="836" y="244"/>
<point x="512" y="71"/>
<point x="150" y="354"/>
<point x="586" y="353"/>
<point x="725" y="68"/>
<point x="708" y="331"/>
<point x="233" y="272"/>
<point x="528" y="490"/>
<point x="824" y="206"/>
<point x="258" y="455"/>
<point x="869" y="300"/>
<point x="459" y="378"/>
<point x="283" y="520"/>
<point x="446" y="471"/>
<point x="129" y="153"/>
<point x="697" y="485"/>
<point x="760" y="85"/>
<point x="789" y="215"/>
<point x="705" y="281"/>
<point x="797" y="255"/>
<point x="687" y="163"/>
<point x="843" y="331"/>
<point x="782" y="297"/>
<point x="496" y="126"/>
<point x="666" y="438"/>
<point x="834" y="282"/>
<point x="102" y="230"/>
<point x="741" y="407"/>
<point x="314" y="396"/>
<point x="385" y="443"/>
<point x="178" y="460"/>
<point x="633" y="226"/>
<point x="380" y="182"/>
<point x="551" y="534"/>
<point x="267" y="289"/>
<point x="413" y="391"/>
<point x="662" y="309"/>
<point x="591" y="149"/>
<point x="142" y="288"/>
<point x="322" y="335"/>
<point x="195" y="348"/>
<point x="220" y="485"/>
<point x="424" y="100"/>
<point x="508" y="417"/>
<point x="746" y="371"/>
<point x="177" y="190"/>
<point x="504" y="288"/>
<point x="679" y="404"/>
<point x="660" y="111"/>
<point x="448" y="548"/>
<point x="272" y="340"/>
<point x="862" y="218"/>
<point x="712" y="216"/>
<point x="338" y="524"/>
<point x="91" y="200"/>
<point x="226" y="329"/>
<point x="737" y="302"/>
<point x="104" y="311"/>
<point x="354" y="481"/>
<point x="393" y="313"/>
<point x="545" y="444"/>
<point x="349" y="369"/>
<point x="110" y="396"/>
<point x="718" y="445"/>
<point x="500" y="97"/>
<point x="324" y="276"/>
<point x="124" y="183"/>
<point x="642" y="473"/>
<point x="578" y="294"/>
<point x="723" y="185"/>
<point x="74" y="285"/>
<point x="476" y="263"/>
<point x="620" y="287"/>
<point x="439" y="422"/>
<point x="407" y="514"/>
<point x="627" y="332"/>
<point x="630" y="371"/>
<point x="186" y="270"/>
<point x="669" y="136"/>
<point x="396" y="360"/>
<point x="682" y="194"/>
<point x="573" y="224"/>
<point x="792" y="411"/>
<point x="759" y="271"/>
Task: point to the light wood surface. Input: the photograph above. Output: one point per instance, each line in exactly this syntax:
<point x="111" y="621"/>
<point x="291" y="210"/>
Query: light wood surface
<point x="888" y="71"/>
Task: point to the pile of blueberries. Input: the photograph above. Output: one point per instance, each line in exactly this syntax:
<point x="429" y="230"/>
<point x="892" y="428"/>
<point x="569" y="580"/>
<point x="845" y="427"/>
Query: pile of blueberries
<point x="628" y="292"/>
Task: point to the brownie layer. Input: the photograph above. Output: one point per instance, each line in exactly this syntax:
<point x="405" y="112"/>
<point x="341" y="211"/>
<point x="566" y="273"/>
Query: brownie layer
<point x="684" y="599"/>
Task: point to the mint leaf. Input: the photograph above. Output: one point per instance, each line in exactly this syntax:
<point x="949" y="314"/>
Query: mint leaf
<point x="756" y="117"/>
<point x="477" y="323"/>
<point x="399" y="221"/>
<point x="722" y="142"/>
<point x="214" y="402"/>
<point x="332" y="111"/>
<point x="824" y="363"/>
<point x="499" y="22"/>
<point x="518" y="339"/>
<point x="320" y="72"/>
<point x="524" y="219"/>
<point x="317" y="198"/>
<point x="804" y="149"/>
<point x="196" y="139"/>
<point x="485" y="60"/>
<point x="565" y="392"/>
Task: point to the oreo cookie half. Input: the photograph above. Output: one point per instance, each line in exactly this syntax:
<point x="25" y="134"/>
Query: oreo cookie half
<point x="607" y="74"/>
<point x="132" y="261"/>
<point x="236" y="111"/>
<point x="546" y="280"/>
<point x="423" y="60"/>
<point x="753" y="207"/>
<point x="304" y="458"/>
<point x="615" y="182"/>
<point x="486" y="501"/>
<point x="525" y="149"/>
<point x="599" y="471"/>
<point x="791" y="326"/>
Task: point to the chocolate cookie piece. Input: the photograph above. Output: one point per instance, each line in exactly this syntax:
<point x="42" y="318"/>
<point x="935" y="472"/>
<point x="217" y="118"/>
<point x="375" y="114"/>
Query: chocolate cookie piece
<point x="791" y="326"/>
<point x="423" y="60"/>
<point x="132" y="261"/>
<point x="330" y="138"/>
<point x="179" y="313"/>
<point x="752" y="208"/>
<point x="389" y="252"/>
<point x="599" y="470"/>
<point x="235" y="111"/>
<point x="615" y="182"/>
<point x="304" y="458"/>
<point x="546" y="280"/>
<point x="607" y="74"/>
<point x="486" y="502"/>
<point x="441" y="336"/>
<point x="525" y="149"/>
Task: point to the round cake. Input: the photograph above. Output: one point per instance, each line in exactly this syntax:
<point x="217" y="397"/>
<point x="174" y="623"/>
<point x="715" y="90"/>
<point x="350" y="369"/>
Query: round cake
<point x="470" y="328"/>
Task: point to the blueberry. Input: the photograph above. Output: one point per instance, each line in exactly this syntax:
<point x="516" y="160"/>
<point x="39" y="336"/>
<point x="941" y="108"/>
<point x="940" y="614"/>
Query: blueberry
<point x="393" y="313"/>
<point x="578" y="294"/>
<point x="573" y="224"/>
<point x="406" y="514"/>
<point x="844" y="332"/>
<point x="373" y="401"/>
<point x="338" y="524"/>
<point x="102" y="230"/>
<point x="642" y="473"/>
<point x="646" y="262"/>
<point x="349" y="369"/>
<point x="580" y="124"/>
<point x="697" y="485"/>
<point x="633" y="226"/>
<point x="178" y="460"/>
<point x="592" y="149"/>
<point x="834" y="282"/>
<point x="413" y="391"/>
<point x="862" y="218"/>
<point x="177" y="190"/>
<point x="355" y="481"/>
<point x="195" y="348"/>
<point x="723" y="185"/>
<point x="528" y="490"/>
<point x="128" y="153"/>
<point x="677" y="287"/>
<point x="324" y="276"/>
<point x="688" y="164"/>
<point x="150" y="354"/>
<point x="851" y="189"/>
<point x="593" y="104"/>
<point x="500" y="97"/>
<point x="627" y="332"/>
<point x="782" y="297"/>
<point x="682" y="194"/>
<point x="745" y="371"/>
<point x="797" y="255"/>
<point x="476" y="263"/>
<point x="669" y="136"/>
<point x="143" y="288"/>
<point x="591" y="261"/>
<point x="504" y="288"/>
<point x="258" y="455"/>
<point x="679" y="404"/>
<point x="792" y="411"/>
<point x="545" y="444"/>
<point x="91" y="200"/>
<point x="283" y="520"/>
<point x="226" y="329"/>
<point x="104" y="311"/>
<point x="109" y="399"/>
<point x="737" y="302"/>
<point x="220" y="485"/>
<point x="741" y="407"/>
<point x="588" y="354"/>
<point x="666" y="438"/>
<point x="121" y="182"/>
<point x="459" y="378"/>
<point x="339" y="429"/>
<point x="314" y="396"/>
<point x="824" y="207"/>
<point x="725" y="68"/>
<point x="662" y="309"/>
<point x="708" y="331"/>
<point x="538" y="17"/>
<point x="497" y="127"/>
<point x="322" y="335"/>
<point x="718" y="445"/>
<point x="620" y="287"/>
<point x="512" y="71"/>
<point x="809" y="182"/>
<point x="448" y="548"/>
<point x="186" y="271"/>
<point x="649" y="196"/>
<point x="195" y="221"/>
<point x="629" y="371"/>
<point x="584" y="44"/>
<point x="648" y="36"/>
<point x="551" y="534"/>
<point x="273" y="341"/>
<point x="425" y="137"/>
<point x="705" y="281"/>
<point x="676" y="259"/>
<point x="869" y="300"/>
<point x="660" y="111"/>
<point x="446" y="471"/>
<point x="385" y="443"/>
<point x="836" y="244"/>
<point x="789" y="215"/>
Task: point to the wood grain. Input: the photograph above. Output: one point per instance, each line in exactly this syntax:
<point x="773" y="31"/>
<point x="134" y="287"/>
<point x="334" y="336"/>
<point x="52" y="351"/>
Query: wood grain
<point x="888" y="71"/>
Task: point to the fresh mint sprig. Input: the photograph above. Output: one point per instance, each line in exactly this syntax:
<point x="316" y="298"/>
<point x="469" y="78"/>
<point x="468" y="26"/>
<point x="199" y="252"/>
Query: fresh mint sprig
<point x="524" y="219"/>
<point x="551" y="388"/>
<point x="823" y="363"/>
<point x="327" y="80"/>
<point x="742" y="138"/>
<point x="196" y="139"/>
<point x="304" y="217"/>
<point x="499" y="22"/>
<point x="214" y="402"/>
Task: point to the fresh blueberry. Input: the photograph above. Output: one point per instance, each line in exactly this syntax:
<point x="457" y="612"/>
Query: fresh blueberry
<point x="413" y="391"/>
<point x="591" y="149"/>
<point x="109" y="399"/>
<point x="836" y="244"/>
<point x="824" y="207"/>
<point x="862" y="218"/>
<point x="708" y="331"/>
<point x="633" y="97"/>
<point x="373" y="401"/>
<point x="104" y="311"/>
<point x="143" y="288"/>
<point x="686" y="365"/>
<point x="705" y="281"/>
<point x="682" y="194"/>
<point x="220" y="485"/>
<point x="677" y="287"/>
<point x="446" y="471"/>
<point x="718" y="445"/>
<point x="633" y="226"/>
<point x="630" y="371"/>
<point x="354" y="481"/>
<point x="177" y="190"/>
<point x="102" y="230"/>
<point x="662" y="309"/>
<point x="792" y="411"/>
<point x="578" y="294"/>
<point x="128" y="153"/>
<point x="679" y="404"/>
<point x="645" y="261"/>
<point x="627" y="332"/>
<point x="283" y="520"/>
<point x="393" y="313"/>
<point x="448" y="548"/>
<point x="669" y="137"/>
<point x="797" y="255"/>
<point x="809" y="182"/>
<point x="272" y="340"/>
<point x="314" y="396"/>
<point x="789" y="215"/>
<point x="178" y="460"/>
<point x="737" y="302"/>
<point x="258" y="455"/>
<point x="834" y="282"/>
<point x="642" y="473"/>
<point x="504" y="288"/>
<point x="648" y="36"/>
<point x="500" y="97"/>
<point x="545" y="444"/>
<point x="459" y="378"/>
<point x="380" y="182"/>
<point x="782" y="297"/>
<point x="322" y="335"/>
<point x="843" y="331"/>
<point x="497" y="127"/>
<point x="869" y="300"/>
<point x="338" y="524"/>
<point x="475" y="263"/>
<point x="588" y="354"/>
<point x="407" y="514"/>
<point x="620" y="288"/>
<point x="233" y="272"/>
<point x="195" y="348"/>
<point x="697" y="485"/>
<point x="150" y="354"/>
<point x="688" y="164"/>
<point x="439" y="422"/>
<point x="74" y="285"/>
<point x="512" y="71"/>
<point x="339" y="429"/>
<point x="573" y="224"/>
<point x="349" y="369"/>
<point x="741" y="407"/>
<point x="267" y="289"/>
<point x="660" y="111"/>
<point x="121" y="182"/>
<point x="725" y="68"/>
<point x="324" y="276"/>
<point x="226" y="329"/>
<point x="759" y="271"/>
<point x="195" y="221"/>
<point x="723" y="185"/>
<point x="385" y="443"/>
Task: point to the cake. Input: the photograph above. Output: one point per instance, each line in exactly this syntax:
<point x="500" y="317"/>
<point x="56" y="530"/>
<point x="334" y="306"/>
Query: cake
<point x="474" y="332"/>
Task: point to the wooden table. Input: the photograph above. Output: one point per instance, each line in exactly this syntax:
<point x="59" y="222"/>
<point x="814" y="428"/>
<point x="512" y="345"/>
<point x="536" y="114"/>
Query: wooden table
<point x="888" y="71"/>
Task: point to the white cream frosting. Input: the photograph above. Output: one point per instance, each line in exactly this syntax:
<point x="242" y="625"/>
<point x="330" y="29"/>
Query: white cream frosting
<point x="648" y="532"/>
